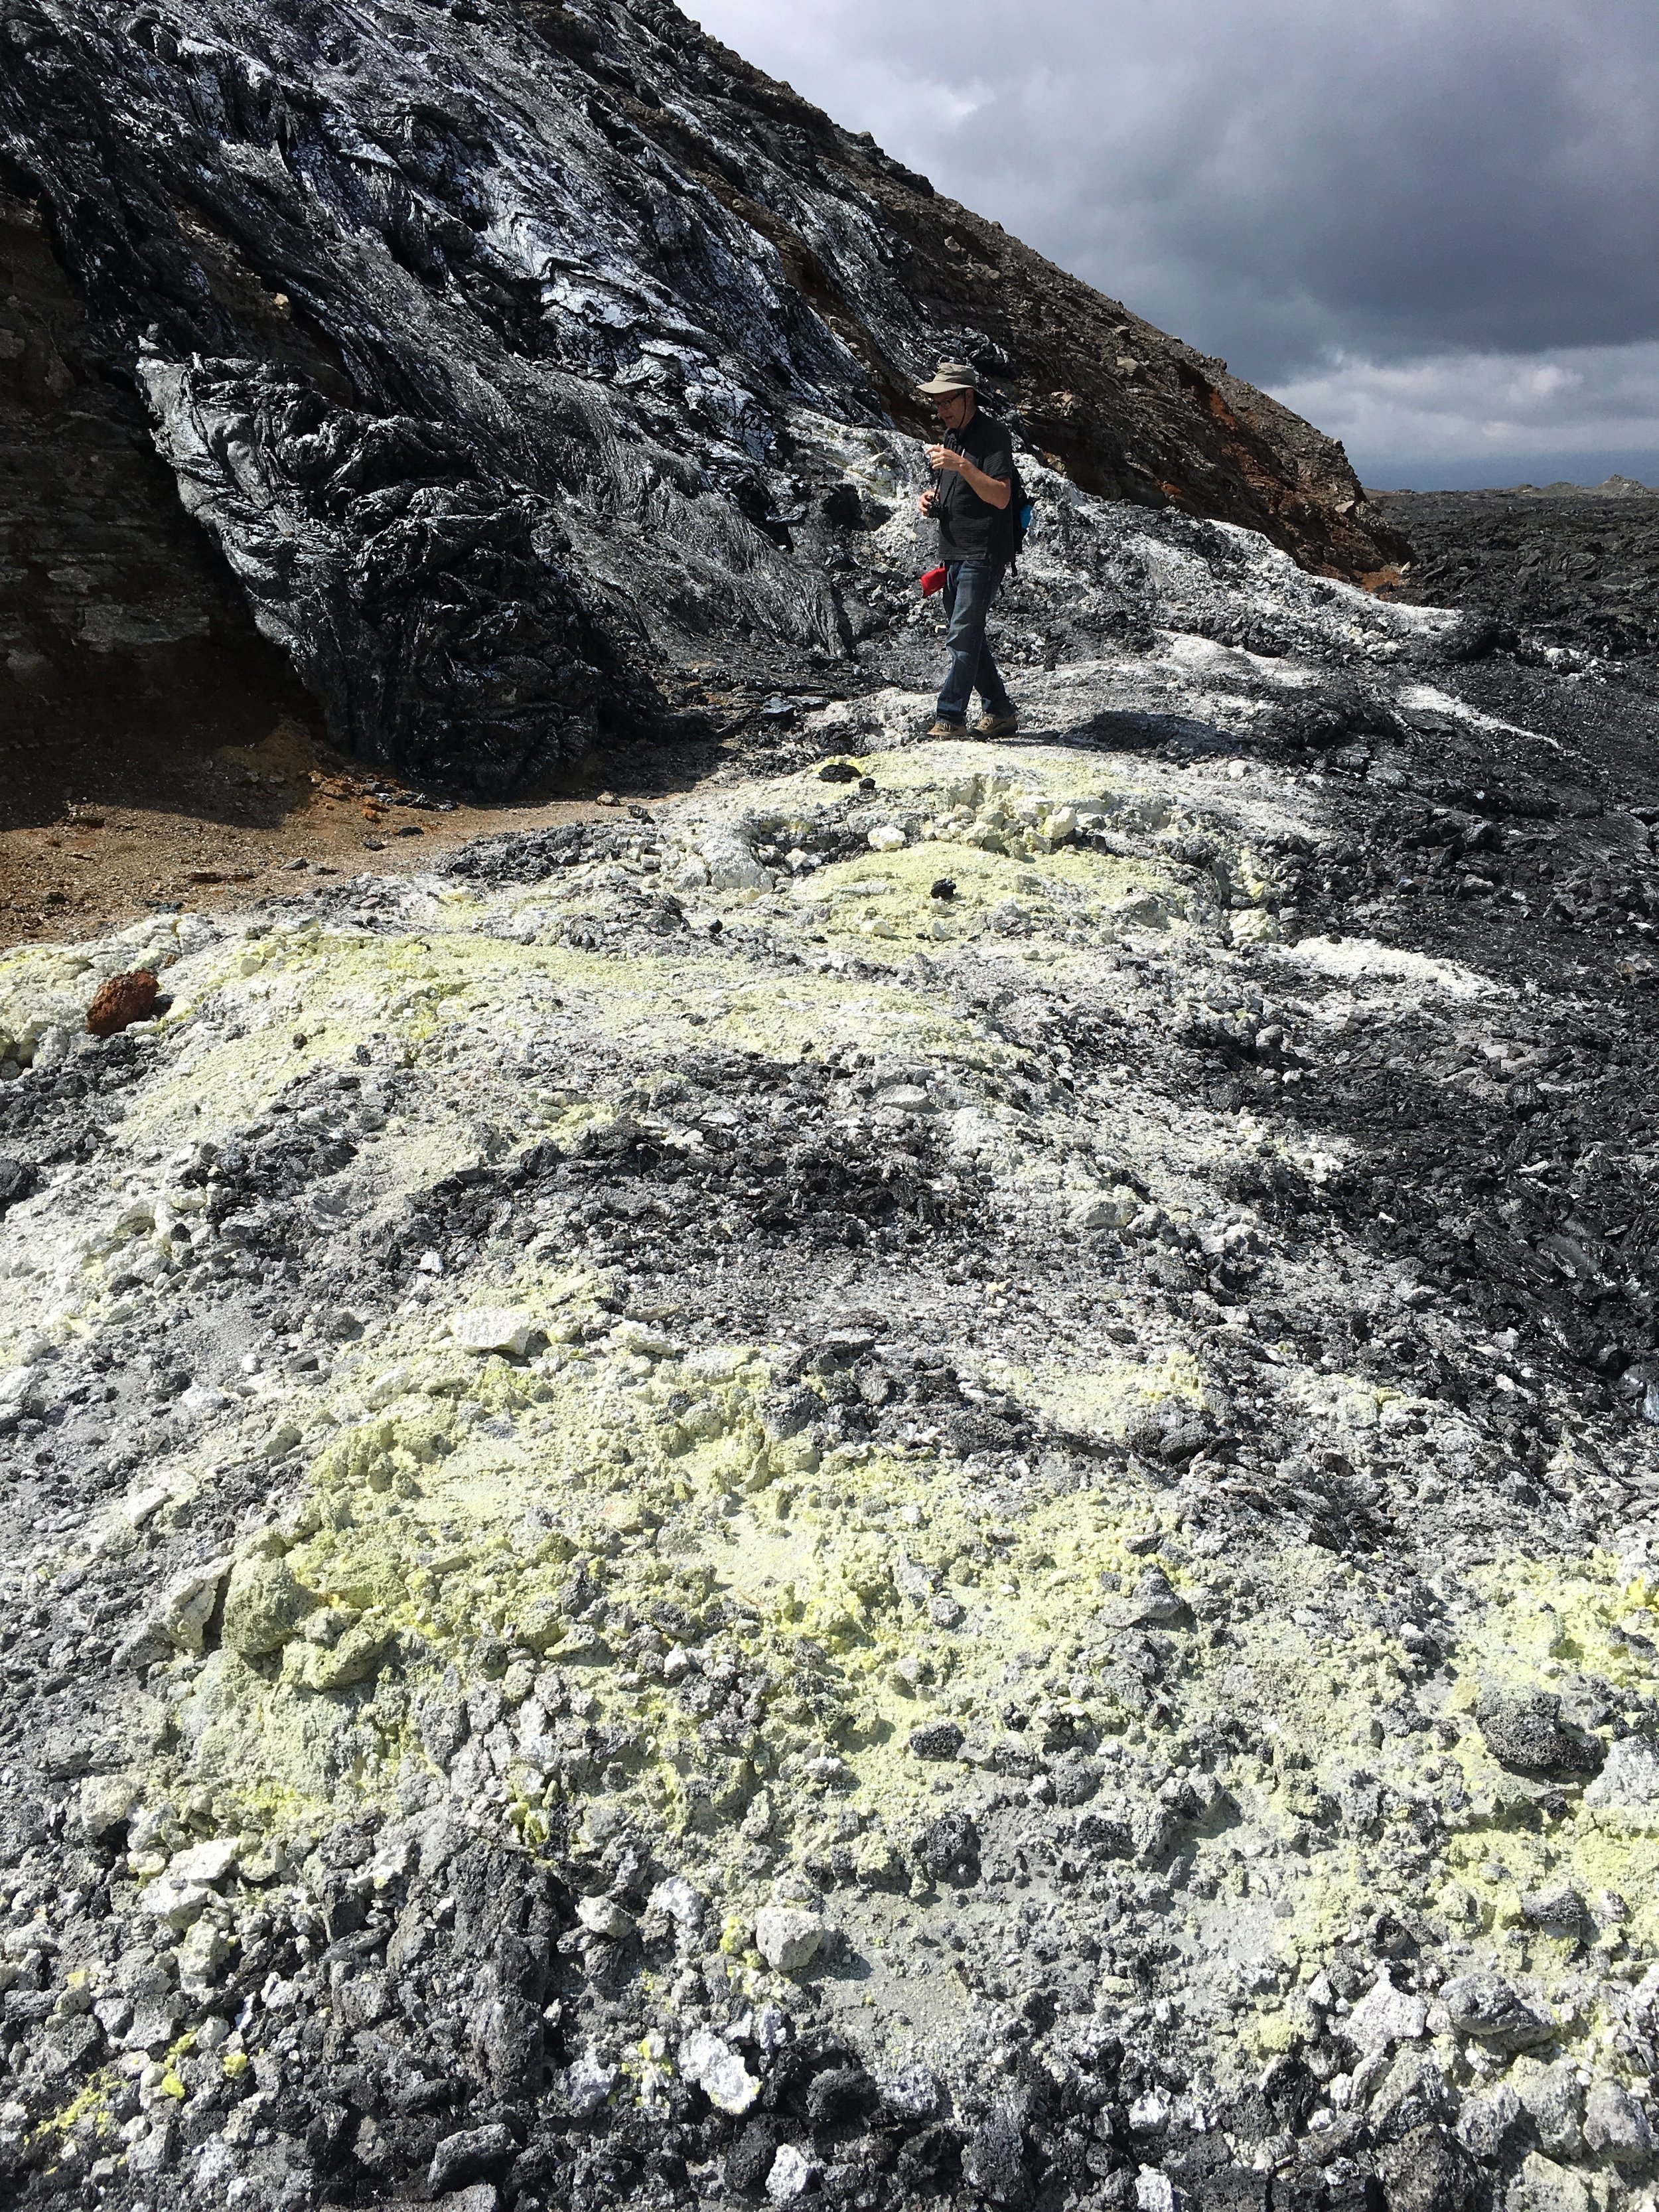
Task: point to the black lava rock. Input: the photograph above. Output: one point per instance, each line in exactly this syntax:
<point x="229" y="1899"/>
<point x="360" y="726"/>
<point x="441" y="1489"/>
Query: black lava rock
<point x="1525" y="1730"/>
<point x="1429" y="2171"/>
<point x="936" y="1740"/>
<point x="17" y="1180"/>
<point x="948" y="1850"/>
<point x="470" y="2154"/>
<point x="994" y="2161"/>
<point x="749" y="2159"/>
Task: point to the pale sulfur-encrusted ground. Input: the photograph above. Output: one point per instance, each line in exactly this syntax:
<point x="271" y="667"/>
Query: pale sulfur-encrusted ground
<point x="749" y="1503"/>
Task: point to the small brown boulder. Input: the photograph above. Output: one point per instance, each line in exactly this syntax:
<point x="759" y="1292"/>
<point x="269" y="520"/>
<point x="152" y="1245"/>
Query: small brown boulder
<point x="122" y="1001"/>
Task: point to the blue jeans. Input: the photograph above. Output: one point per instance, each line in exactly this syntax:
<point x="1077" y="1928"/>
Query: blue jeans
<point x="969" y="588"/>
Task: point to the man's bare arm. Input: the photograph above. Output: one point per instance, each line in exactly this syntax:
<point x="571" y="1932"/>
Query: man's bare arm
<point x="995" y="491"/>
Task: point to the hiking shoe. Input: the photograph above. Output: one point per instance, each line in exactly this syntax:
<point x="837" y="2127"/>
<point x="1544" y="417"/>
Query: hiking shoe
<point x="996" y="725"/>
<point x="941" y="728"/>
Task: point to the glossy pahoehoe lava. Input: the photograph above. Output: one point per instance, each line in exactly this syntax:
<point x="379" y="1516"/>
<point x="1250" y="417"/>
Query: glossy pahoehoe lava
<point x="515" y="355"/>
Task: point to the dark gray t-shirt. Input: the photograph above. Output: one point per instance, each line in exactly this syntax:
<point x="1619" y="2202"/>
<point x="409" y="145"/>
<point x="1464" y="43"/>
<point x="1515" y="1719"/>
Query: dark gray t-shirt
<point x="969" y="527"/>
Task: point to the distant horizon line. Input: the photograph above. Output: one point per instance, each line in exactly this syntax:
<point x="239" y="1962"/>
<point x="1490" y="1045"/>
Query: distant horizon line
<point x="1617" y="485"/>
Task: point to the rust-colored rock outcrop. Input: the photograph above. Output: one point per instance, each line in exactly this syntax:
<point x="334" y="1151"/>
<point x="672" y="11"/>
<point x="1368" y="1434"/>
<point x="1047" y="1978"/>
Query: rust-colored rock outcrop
<point x="120" y="1002"/>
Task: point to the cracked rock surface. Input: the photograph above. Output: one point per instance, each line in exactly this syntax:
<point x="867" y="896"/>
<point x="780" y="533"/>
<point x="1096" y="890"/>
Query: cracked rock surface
<point x="931" y="1482"/>
<point x="1568" y="567"/>
<point x="517" y="358"/>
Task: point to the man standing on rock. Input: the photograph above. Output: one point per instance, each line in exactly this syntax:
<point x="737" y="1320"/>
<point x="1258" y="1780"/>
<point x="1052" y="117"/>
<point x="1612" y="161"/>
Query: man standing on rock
<point x="972" y="499"/>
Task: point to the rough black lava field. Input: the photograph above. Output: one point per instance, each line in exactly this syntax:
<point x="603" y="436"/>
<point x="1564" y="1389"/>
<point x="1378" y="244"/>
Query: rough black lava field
<point x="1567" y="566"/>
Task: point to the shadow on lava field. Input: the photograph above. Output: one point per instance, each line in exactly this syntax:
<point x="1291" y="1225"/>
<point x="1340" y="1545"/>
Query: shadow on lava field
<point x="105" y="816"/>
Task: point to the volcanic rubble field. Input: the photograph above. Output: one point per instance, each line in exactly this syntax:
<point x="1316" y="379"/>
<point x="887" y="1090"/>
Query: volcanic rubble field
<point x="1567" y="566"/>
<point x="928" y="1481"/>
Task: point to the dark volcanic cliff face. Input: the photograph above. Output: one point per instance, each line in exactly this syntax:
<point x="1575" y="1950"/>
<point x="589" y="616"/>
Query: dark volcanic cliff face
<point x="512" y="354"/>
<point x="123" y="636"/>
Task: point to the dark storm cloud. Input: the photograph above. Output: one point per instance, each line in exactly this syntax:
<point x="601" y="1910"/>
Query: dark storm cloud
<point x="1326" y="193"/>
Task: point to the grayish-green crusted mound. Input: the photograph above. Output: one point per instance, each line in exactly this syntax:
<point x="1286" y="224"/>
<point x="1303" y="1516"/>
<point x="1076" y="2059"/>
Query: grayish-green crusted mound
<point x="928" y="1483"/>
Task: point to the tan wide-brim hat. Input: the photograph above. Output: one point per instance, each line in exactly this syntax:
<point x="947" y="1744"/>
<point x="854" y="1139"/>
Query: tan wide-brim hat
<point x="950" y="378"/>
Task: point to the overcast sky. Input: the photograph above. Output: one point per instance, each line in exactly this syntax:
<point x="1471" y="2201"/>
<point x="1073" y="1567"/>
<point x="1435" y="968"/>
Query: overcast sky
<point x="1431" y="226"/>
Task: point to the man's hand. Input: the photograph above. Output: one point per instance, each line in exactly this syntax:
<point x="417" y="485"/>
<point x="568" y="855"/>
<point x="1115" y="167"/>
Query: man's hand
<point x="929" y="501"/>
<point x="995" y="491"/>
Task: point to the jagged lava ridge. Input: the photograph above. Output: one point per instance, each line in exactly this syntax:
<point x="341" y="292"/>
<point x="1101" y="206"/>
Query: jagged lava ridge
<point x="516" y="356"/>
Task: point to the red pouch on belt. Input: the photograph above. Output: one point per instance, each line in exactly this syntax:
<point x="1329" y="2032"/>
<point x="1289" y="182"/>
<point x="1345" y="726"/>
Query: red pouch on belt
<point x="931" y="582"/>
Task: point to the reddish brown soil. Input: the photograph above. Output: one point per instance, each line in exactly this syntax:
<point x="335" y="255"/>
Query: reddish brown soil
<point x="92" y="834"/>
